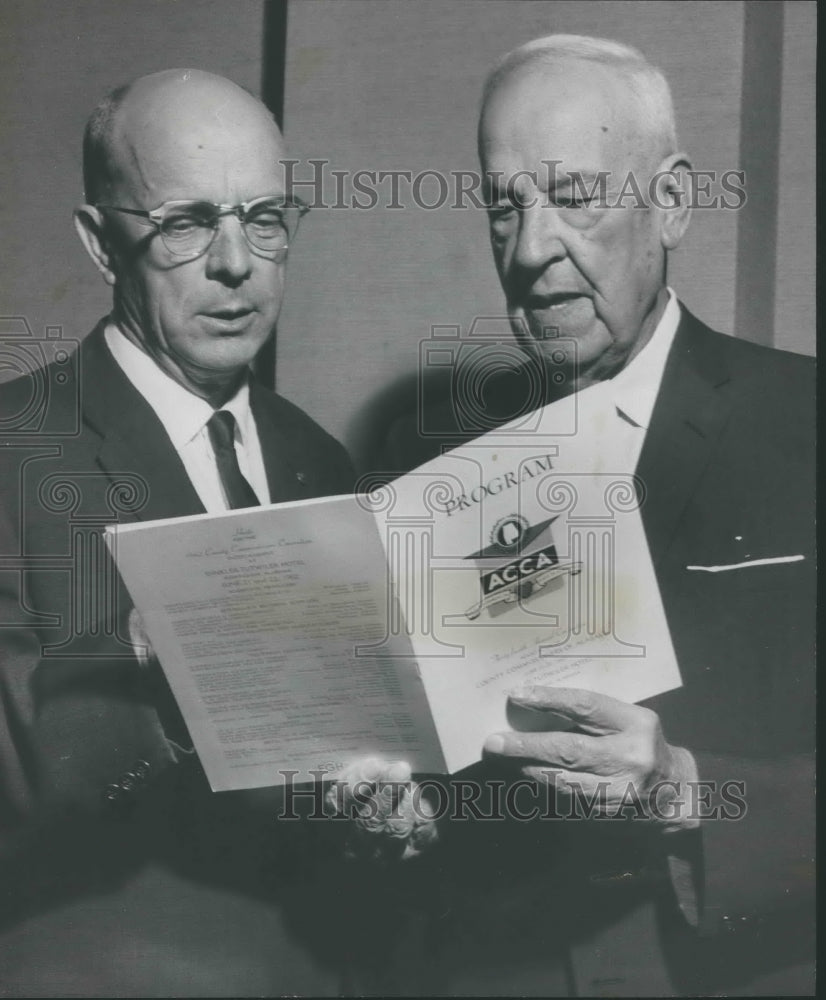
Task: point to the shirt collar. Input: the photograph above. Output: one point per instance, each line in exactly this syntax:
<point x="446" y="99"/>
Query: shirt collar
<point x="182" y="413"/>
<point x="634" y="389"/>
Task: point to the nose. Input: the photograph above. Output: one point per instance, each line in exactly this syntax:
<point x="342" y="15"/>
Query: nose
<point x="539" y="241"/>
<point x="229" y="258"/>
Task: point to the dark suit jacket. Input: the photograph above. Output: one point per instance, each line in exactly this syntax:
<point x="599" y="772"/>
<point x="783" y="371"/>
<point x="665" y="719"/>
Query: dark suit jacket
<point x="727" y="474"/>
<point x="122" y="873"/>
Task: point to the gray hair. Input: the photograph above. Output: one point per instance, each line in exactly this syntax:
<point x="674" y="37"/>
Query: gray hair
<point x="97" y="142"/>
<point x="645" y="82"/>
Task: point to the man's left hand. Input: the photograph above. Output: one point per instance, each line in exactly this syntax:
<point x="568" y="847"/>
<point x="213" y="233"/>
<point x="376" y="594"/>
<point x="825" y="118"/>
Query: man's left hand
<point x="388" y="819"/>
<point x="616" y="757"/>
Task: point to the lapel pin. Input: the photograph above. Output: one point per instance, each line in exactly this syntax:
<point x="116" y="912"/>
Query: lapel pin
<point x="301" y="477"/>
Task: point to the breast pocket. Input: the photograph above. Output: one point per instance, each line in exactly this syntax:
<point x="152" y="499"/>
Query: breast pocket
<point x="750" y="576"/>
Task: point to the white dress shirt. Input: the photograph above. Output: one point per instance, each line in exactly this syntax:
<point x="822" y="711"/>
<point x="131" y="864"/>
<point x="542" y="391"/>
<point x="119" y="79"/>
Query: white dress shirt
<point x="184" y="417"/>
<point x="602" y="428"/>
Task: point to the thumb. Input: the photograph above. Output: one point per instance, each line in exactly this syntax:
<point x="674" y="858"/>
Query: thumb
<point x="139" y="639"/>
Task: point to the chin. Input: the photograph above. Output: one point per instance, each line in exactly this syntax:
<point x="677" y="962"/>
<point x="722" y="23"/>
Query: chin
<point x="222" y="365"/>
<point x="239" y="348"/>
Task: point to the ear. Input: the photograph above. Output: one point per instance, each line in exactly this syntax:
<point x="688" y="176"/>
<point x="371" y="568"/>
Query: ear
<point x="90" y="228"/>
<point x="672" y="196"/>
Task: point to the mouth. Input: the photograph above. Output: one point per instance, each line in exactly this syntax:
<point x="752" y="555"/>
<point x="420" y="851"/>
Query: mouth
<point x="229" y="319"/>
<point x="552" y="300"/>
<point x="553" y="313"/>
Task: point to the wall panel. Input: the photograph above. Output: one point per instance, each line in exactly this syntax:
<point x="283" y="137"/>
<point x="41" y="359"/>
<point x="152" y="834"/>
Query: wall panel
<point x="794" y="307"/>
<point x="56" y="61"/>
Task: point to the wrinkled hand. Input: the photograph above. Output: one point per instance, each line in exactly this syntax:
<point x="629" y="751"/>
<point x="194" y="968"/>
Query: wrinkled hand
<point x="617" y="759"/>
<point x="388" y="819"/>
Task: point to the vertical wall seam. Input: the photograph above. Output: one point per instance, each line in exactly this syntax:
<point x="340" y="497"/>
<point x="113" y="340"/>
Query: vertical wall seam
<point x="273" y="72"/>
<point x="756" y="270"/>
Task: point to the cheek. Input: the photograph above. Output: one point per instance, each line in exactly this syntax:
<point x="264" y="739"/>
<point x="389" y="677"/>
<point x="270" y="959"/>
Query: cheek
<point x="170" y="308"/>
<point x="146" y="297"/>
<point x="594" y="255"/>
<point x="269" y="288"/>
<point x="646" y="243"/>
<point x="616" y="260"/>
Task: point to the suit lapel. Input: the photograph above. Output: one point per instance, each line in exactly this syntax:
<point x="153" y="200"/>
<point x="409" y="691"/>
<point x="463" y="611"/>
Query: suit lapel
<point x="691" y="410"/>
<point x="287" y="475"/>
<point x="133" y="439"/>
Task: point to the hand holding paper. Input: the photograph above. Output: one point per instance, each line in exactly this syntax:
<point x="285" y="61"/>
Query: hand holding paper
<point x="319" y="633"/>
<point x="389" y="821"/>
<point x="617" y="756"/>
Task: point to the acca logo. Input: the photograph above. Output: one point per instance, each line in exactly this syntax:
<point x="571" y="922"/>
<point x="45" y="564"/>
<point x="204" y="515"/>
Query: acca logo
<point x="525" y="560"/>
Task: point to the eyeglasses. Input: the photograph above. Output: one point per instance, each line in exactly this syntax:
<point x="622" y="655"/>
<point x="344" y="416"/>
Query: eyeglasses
<point x="187" y="228"/>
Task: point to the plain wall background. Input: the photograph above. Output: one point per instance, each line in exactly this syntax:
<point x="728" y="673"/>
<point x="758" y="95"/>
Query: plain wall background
<point x="57" y="60"/>
<point x="795" y="302"/>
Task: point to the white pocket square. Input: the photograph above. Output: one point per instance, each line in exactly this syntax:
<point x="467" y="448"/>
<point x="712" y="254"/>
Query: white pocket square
<point x="747" y="564"/>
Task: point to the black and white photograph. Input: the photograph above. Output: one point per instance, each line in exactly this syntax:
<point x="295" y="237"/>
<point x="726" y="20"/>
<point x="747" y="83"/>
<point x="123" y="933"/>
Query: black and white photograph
<point x="407" y="498"/>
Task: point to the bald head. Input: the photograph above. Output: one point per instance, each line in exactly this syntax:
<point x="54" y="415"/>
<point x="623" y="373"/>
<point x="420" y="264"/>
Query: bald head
<point x="144" y="131"/>
<point x="633" y="91"/>
<point x="586" y="102"/>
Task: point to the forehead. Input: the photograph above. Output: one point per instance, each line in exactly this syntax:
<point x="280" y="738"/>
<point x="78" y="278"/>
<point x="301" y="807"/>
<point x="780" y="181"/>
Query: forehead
<point x="578" y="113"/>
<point x="195" y="149"/>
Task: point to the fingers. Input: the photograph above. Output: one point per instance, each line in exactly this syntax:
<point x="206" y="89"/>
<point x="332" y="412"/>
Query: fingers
<point x="369" y="778"/>
<point x="387" y="819"/>
<point x="139" y="639"/>
<point x="591" y="712"/>
<point x="570" y="751"/>
<point x="567" y="782"/>
<point x="373" y="770"/>
<point x="396" y="771"/>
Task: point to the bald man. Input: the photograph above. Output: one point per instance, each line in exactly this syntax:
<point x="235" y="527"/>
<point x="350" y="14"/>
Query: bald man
<point x="589" y="192"/>
<point x="122" y="874"/>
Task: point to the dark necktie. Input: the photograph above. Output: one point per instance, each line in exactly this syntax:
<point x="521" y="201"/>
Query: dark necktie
<point x="239" y="493"/>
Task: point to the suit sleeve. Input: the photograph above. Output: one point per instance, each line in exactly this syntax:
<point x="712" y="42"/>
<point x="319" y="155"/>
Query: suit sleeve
<point x="758" y="865"/>
<point x="78" y="735"/>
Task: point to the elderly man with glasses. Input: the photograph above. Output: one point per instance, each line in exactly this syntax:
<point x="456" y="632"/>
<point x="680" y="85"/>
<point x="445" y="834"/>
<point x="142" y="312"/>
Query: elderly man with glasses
<point x="123" y="875"/>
